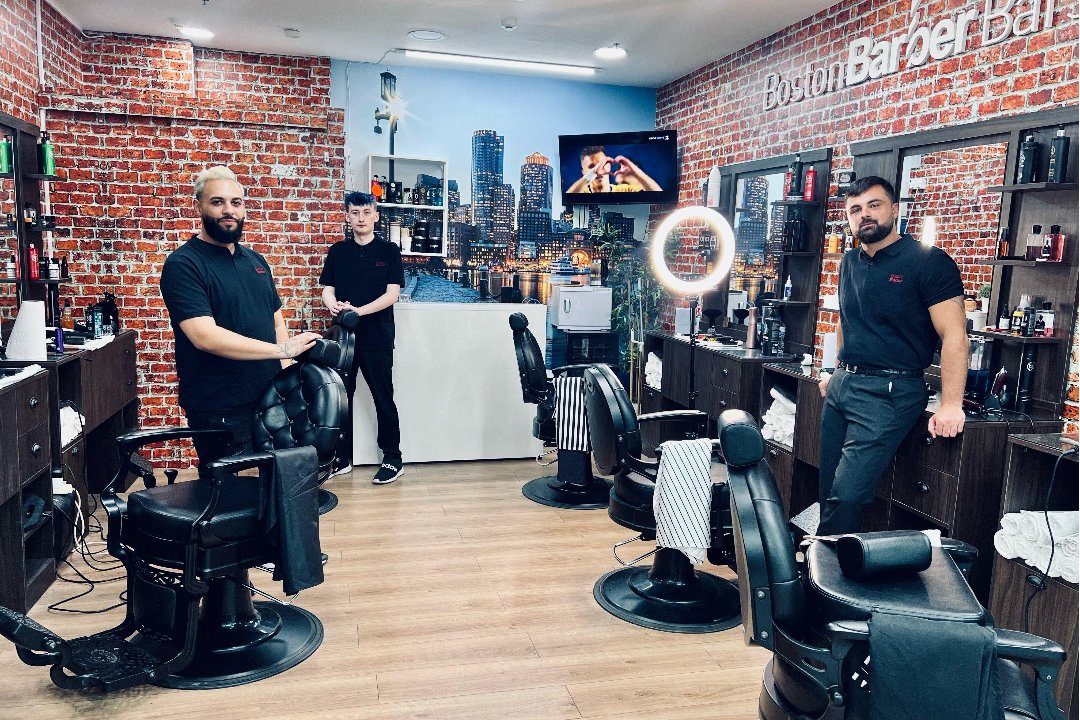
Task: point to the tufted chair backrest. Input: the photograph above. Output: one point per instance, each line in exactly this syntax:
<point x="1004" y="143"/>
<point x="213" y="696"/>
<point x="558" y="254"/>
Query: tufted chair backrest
<point x="613" y="425"/>
<point x="535" y="385"/>
<point x="305" y="404"/>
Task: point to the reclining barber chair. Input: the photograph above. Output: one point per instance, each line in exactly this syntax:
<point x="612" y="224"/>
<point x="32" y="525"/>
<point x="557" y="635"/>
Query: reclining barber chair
<point x="574" y="486"/>
<point x="671" y="595"/>
<point x="187" y="547"/>
<point x="819" y="617"/>
<point x="343" y="332"/>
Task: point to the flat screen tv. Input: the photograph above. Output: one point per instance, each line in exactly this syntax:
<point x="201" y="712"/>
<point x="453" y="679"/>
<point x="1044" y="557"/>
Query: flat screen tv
<point x="619" y="168"/>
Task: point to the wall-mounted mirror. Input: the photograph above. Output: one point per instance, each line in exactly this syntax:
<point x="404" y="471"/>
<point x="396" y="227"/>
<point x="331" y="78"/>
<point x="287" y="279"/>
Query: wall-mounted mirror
<point x="945" y="200"/>
<point x="758" y="229"/>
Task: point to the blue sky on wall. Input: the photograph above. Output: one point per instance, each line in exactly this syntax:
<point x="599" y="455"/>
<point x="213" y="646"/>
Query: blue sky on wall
<point x="445" y="107"/>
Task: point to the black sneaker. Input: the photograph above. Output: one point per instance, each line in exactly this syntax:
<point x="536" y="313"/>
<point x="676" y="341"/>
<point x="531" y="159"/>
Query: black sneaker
<point x="341" y="468"/>
<point x="390" y="471"/>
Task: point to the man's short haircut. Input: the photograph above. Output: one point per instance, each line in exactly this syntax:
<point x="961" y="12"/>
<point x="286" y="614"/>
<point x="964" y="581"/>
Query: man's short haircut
<point x="218" y="172"/>
<point x="591" y="150"/>
<point x="863" y="184"/>
<point x="360" y="199"/>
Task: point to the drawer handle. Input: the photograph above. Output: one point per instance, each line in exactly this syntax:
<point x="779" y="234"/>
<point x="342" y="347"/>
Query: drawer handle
<point x="723" y="403"/>
<point x="35" y="449"/>
<point x="774" y="453"/>
<point x="922" y="487"/>
<point x="724" y="372"/>
<point x="928" y="440"/>
<point x="33" y="402"/>
<point x="75" y="450"/>
<point x="130" y="383"/>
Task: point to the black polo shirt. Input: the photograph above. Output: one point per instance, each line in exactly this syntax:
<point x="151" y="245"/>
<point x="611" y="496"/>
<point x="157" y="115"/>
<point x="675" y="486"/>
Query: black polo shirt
<point x="359" y="274"/>
<point x="885" y="301"/>
<point x="237" y="290"/>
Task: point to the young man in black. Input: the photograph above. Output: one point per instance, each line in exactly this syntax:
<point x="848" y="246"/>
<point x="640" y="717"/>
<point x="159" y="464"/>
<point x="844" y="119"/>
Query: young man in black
<point x="226" y="317"/>
<point x="898" y="298"/>
<point x="365" y="275"/>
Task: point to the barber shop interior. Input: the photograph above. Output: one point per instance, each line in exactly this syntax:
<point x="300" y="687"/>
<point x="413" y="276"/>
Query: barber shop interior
<point x="539" y="359"/>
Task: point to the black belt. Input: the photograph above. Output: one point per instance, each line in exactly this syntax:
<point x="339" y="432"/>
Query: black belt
<point x="880" y="372"/>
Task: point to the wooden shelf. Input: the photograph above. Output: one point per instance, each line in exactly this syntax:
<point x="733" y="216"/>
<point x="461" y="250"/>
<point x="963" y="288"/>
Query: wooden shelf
<point x="802" y="253"/>
<point x="1033" y="187"/>
<point x="1024" y="263"/>
<point x="804" y="203"/>
<point x="44" y="281"/>
<point x="7" y="175"/>
<point x="52" y="229"/>
<point x="1020" y="339"/>
<point x="40" y="176"/>
<point x="790" y="303"/>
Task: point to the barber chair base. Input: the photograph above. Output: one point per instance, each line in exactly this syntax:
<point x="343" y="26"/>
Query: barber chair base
<point x="574" y="488"/>
<point x="666" y="597"/>
<point x="772" y="707"/>
<point x="327" y="501"/>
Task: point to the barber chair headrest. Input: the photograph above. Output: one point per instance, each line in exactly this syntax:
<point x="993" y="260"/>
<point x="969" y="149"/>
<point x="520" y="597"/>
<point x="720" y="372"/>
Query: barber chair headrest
<point x="326" y="353"/>
<point x="740" y="438"/>
<point x="348" y="320"/>
<point x="518" y="322"/>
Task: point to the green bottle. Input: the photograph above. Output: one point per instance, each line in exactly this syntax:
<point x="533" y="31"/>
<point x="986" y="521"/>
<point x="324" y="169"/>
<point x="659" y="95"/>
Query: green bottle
<point x="5" y="155"/>
<point x="46" y="157"/>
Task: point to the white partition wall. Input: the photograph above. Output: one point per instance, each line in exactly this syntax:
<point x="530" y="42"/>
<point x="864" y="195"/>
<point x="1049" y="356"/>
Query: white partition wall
<point x="456" y="385"/>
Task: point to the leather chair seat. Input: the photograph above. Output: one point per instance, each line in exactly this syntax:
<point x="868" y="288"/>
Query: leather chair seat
<point x="171" y="510"/>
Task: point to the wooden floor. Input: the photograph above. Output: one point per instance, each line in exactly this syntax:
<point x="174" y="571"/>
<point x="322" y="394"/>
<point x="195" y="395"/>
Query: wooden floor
<point x="447" y="595"/>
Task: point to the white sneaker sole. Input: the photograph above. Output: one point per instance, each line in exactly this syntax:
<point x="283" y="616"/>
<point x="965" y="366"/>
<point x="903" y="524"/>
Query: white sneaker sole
<point x="342" y="471"/>
<point x="377" y="481"/>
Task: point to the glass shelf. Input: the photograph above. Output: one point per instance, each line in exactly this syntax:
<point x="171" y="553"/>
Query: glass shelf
<point x="1034" y="187"/>
<point x="805" y="203"/>
<point x="52" y="229"/>
<point x="410" y="205"/>
<point x="1011" y="339"/>
<point x="41" y="176"/>
<point x="1024" y="263"/>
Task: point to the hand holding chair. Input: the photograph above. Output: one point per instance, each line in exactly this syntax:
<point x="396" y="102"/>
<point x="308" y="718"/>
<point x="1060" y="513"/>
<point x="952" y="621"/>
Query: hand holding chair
<point x="187" y="548"/>
<point x="574" y="487"/>
<point x="671" y="595"/>
<point x="817" y="618"/>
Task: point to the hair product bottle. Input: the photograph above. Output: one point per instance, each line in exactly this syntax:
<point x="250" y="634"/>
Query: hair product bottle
<point x="1029" y="158"/>
<point x="808" y="185"/>
<point x="5" y="155"/>
<point x="46" y="155"/>
<point x="1034" y="243"/>
<point x="795" y="179"/>
<point x="1053" y="245"/>
<point x="1059" y="156"/>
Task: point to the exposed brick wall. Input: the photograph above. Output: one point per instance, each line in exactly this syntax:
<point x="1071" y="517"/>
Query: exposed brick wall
<point x="965" y="211"/>
<point x="134" y="119"/>
<point x="18" y="60"/>
<point x="718" y="109"/>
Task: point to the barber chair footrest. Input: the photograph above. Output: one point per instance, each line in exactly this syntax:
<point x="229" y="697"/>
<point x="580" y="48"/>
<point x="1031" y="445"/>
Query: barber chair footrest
<point x="553" y="492"/>
<point x="706" y="604"/>
<point x="284" y="637"/>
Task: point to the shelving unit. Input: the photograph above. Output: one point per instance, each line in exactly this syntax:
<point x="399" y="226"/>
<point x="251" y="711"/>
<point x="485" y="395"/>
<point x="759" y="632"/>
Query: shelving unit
<point x="408" y="171"/>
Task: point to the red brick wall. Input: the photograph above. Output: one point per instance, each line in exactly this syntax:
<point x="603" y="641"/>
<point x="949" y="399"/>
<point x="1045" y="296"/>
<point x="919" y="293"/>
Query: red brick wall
<point x="18" y="59"/>
<point x="966" y="213"/>
<point x="134" y="119"/>
<point x="718" y="109"/>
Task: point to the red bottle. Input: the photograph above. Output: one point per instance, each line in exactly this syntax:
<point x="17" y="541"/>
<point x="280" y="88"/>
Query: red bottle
<point x="34" y="268"/>
<point x="808" y="185"/>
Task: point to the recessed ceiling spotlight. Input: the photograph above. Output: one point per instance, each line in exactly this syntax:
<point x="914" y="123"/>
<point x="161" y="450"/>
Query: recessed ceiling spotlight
<point x="194" y="32"/>
<point x="614" y="51"/>
<point x="509" y="24"/>
<point x="428" y="35"/>
<point x="291" y="32"/>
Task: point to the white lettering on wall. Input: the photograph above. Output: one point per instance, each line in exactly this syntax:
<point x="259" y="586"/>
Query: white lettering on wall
<point x="870" y="58"/>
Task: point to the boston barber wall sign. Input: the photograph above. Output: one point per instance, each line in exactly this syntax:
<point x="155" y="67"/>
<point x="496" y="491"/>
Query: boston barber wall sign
<point x="870" y="57"/>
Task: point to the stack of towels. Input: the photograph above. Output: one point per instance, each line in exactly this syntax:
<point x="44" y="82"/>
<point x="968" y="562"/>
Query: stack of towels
<point x="1027" y="535"/>
<point x="654" y="369"/>
<point x="778" y="422"/>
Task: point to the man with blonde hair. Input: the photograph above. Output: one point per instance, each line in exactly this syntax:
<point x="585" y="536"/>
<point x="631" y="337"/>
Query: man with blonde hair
<point x="226" y="318"/>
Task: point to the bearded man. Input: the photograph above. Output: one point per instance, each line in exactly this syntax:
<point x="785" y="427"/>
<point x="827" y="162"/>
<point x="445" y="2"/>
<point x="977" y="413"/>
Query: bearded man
<point x="226" y="318"/>
<point x="898" y="299"/>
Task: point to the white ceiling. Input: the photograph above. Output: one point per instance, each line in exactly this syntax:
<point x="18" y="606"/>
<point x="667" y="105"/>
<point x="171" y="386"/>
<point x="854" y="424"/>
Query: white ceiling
<point x="665" y="39"/>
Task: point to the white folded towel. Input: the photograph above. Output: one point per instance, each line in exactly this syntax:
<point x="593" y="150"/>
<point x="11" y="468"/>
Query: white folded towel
<point x="683" y="497"/>
<point x="781" y="401"/>
<point x="1033" y="527"/>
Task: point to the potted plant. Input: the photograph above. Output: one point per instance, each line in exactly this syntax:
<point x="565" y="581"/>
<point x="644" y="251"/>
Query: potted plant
<point x="984" y="297"/>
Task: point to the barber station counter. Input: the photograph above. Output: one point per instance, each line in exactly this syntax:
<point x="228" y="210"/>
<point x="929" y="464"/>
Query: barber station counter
<point x="456" y="385"/>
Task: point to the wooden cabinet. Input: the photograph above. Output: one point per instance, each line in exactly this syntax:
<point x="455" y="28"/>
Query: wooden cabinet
<point x="780" y="461"/>
<point x="27" y="565"/>
<point x="1015" y="601"/>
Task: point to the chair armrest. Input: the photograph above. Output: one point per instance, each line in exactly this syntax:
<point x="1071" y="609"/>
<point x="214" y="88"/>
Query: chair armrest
<point x="672" y="415"/>
<point x="844" y="634"/>
<point x="236" y="463"/>
<point x="1027" y="648"/>
<point x="573" y="370"/>
<point x="131" y="441"/>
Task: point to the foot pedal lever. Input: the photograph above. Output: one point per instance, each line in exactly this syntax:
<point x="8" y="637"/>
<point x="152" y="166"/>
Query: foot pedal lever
<point x="616" y="546"/>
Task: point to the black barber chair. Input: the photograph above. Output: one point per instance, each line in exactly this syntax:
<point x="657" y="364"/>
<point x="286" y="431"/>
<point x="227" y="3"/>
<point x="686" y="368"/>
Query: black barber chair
<point x="817" y="620"/>
<point x="187" y="548"/>
<point x="574" y="487"/>
<point x="343" y="332"/>
<point x="670" y="595"/>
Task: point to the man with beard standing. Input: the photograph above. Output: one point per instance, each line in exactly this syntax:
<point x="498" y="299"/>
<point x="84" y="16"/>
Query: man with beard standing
<point x="226" y="318"/>
<point x="898" y="297"/>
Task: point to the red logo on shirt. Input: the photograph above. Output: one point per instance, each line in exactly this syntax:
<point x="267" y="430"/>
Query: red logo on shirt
<point x="380" y="263"/>
<point x="260" y="270"/>
<point x="896" y="278"/>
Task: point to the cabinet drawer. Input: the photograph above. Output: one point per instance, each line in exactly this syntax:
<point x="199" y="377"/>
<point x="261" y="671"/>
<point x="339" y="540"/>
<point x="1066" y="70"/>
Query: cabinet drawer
<point x="941" y="454"/>
<point x="929" y="491"/>
<point x="727" y="373"/>
<point x="779" y="461"/>
<point x="32" y="402"/>
<point x="34" y="451"/>
<point x="651" y="400"/>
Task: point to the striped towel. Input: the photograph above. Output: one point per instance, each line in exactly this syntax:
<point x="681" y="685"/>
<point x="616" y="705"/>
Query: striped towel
<point x="683" y="497"/>
<point x="571" y="422"/>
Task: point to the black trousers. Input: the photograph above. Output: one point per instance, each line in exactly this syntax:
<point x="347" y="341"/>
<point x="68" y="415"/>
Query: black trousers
<point x="237" y="422"/>
<point x="377" y="369"/>
<point x="863" y="422"/>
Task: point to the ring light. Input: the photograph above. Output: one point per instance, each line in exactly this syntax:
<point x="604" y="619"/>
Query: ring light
<point x="725" y="243"/>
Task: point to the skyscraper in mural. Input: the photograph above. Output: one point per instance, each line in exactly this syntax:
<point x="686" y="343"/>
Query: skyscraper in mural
<point x="502" y="217"/>
<point x="753" y="224"/>
<point x="487" y="174"/>
<point x="534" y="207"/>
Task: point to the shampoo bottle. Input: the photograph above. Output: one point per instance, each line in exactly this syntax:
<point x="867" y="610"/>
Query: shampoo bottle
<point x="1059" y="156"/>
<point x="1029" y="157"/>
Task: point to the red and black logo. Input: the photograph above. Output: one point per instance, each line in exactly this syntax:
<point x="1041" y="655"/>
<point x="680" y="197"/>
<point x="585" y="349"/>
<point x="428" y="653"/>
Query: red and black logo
<point x="896" y="278"/>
